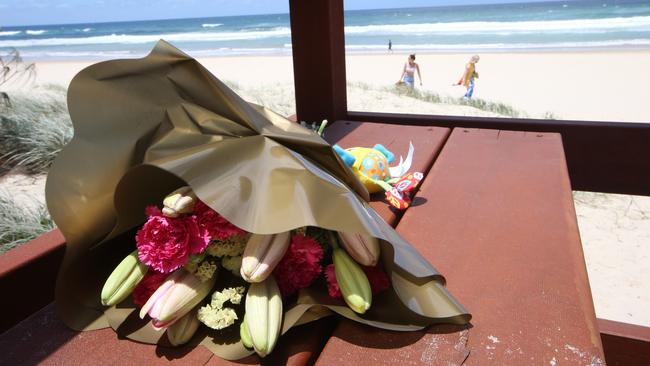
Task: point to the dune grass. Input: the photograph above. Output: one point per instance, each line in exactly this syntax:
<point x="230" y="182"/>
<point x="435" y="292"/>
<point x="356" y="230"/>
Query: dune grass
<point x="431" y="97"/>
<point x="34" y="128"/>
<point x="278" y="97"/>
<point x="20" y="223"/>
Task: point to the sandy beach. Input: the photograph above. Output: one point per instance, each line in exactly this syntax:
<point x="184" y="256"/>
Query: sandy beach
<point x="597" y="86"/>
<point x="602" y="86"/>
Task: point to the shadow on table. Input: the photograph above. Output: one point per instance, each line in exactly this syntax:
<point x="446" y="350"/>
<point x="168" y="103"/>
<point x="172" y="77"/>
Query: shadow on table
<point x="34" y="339"/>
<point x="343" y="128"/>
<point x="445" y="343"/>
<point x="368" y="337"/>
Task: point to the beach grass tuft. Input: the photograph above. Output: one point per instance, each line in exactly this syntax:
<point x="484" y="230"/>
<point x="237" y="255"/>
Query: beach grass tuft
<point x="20" y="223"/>
<point x="278" y="97"/>
<point x="431" y="97"/>
<point x="34" y="128"/>
<point x="496" y="107"/>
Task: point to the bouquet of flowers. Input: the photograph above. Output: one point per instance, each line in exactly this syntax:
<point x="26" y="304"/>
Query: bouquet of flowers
<point x="192" y="216"/>
<point x="183" y="249"/>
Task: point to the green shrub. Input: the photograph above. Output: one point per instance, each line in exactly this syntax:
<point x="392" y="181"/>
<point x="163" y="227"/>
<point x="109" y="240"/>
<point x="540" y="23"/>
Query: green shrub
<point x="34" y="128"/>
<point x="21" y="222"/>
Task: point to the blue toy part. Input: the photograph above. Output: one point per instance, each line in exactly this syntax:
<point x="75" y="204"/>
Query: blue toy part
<point x="347" y="158"/>
<point x="389" y="155"/>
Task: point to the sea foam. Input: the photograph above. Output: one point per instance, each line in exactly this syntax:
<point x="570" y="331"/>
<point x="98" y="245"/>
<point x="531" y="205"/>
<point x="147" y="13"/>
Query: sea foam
<point x="637" y="23"/>
<point x="9" y="33"/>
<point x="140" y="39"/>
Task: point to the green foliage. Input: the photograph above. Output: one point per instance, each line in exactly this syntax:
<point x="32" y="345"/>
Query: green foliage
<point x="499" y="108"/>
<point x="21" y="222"/>
<point x="34" y="128"/>
<point x="278" y="97"/>
<point x="13" y="70"/>
<point x="431" y="97"/>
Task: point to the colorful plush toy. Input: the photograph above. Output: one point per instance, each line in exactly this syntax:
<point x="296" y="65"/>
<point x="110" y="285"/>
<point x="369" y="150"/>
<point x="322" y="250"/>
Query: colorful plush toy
<point x="371" y="166"/>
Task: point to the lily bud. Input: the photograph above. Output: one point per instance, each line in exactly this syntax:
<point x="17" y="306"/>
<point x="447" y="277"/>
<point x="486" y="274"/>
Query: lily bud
<point x="179" y="202"/>
<point x="264" y="315"/>
<point x="123" y="280"/>
<point x="353" y="282"/>
<point x="262" y="254"/>
<point x="244" y="334"/>
<point x="179" y="294"/>
<point x="363" y="248"/>
<point x="183" y="330"/>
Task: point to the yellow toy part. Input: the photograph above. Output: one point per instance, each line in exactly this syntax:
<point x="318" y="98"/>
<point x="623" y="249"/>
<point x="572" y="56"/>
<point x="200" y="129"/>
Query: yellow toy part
<point x="370" y="166"/>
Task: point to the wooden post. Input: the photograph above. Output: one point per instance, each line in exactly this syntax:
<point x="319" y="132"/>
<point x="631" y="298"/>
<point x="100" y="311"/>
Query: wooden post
<point x="318" y="43"/>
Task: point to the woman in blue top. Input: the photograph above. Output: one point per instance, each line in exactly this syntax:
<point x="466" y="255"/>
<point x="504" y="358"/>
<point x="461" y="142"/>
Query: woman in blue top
<point x="408" y="74"/>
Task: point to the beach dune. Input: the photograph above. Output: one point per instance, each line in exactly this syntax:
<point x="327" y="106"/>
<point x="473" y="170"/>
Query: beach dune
<point x="596" y="86"/>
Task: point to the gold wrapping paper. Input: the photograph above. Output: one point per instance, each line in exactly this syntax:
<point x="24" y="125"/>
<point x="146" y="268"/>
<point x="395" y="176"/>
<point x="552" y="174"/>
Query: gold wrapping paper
<point x="145" y="127"/>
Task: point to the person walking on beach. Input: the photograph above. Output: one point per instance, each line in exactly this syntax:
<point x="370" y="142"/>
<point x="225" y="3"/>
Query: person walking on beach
<point x="467" y="80"/>
<point x="408" y="74"/>
<point x="390" y="46"/>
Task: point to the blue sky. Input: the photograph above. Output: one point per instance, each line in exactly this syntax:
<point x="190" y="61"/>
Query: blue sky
<point x="31" y="12"/>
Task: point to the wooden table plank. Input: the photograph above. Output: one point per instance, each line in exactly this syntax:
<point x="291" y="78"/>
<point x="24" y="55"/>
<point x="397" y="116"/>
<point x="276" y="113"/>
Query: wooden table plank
<point x="499" y="223"/>
<point x="44" y="339"/>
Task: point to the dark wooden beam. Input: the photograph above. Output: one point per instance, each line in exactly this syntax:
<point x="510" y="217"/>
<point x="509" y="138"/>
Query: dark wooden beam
<point x="601" y="156"/>
<point x="625" y="344"/>
<point x="318" y="44"/>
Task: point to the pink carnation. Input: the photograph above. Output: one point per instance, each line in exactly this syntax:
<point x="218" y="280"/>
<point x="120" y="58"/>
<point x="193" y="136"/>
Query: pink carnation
<point x="377" y="277"/>
<point x="165" y="243"/>
<point x="300" y="265"/>
<point x="217" y="226"/>
<point x="147" y="286"/>
<point x="333" y="288"/>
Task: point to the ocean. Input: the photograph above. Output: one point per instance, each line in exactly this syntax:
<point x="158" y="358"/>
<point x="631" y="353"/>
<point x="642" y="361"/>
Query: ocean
<point x="535" y="26"/>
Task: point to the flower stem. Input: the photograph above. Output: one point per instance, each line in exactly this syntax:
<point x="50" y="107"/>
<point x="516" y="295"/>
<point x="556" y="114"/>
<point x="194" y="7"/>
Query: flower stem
<point x="334" y="242"/>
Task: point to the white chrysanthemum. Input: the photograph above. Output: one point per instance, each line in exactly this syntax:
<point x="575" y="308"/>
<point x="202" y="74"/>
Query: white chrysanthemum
<point x="232" y="294"/>
<point x="214" y="315"/>
<point x="231" y="247"/>
<point x="205" y="271"/>
<point x="217" y="318"/>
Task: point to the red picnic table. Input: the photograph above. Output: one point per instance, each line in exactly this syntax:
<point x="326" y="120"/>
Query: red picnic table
<point x="494" y="215"/>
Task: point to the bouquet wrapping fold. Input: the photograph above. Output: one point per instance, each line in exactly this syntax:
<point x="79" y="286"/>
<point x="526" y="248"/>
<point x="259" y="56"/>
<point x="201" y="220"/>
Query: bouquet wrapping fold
<point x="145" y="127"/>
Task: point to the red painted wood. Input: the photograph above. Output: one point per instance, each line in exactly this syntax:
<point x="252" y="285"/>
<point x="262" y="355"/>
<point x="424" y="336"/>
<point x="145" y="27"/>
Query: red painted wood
<point x="624" y="330"/>
<point x="29" y="270"/>
<point x="56" y="344"/>
<point x="24" y="255"/>
<point x="499" y="223"/>
<point x="428" y="142"/>
<point x="44" y="339"/>
<point x="317" y="40"/>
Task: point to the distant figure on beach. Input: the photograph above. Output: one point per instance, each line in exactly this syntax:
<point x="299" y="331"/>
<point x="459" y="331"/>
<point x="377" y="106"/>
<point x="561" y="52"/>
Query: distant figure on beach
<point x="408" y="74"/>
<point x="467" y="80"/>
<point x="390" y="46"/>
